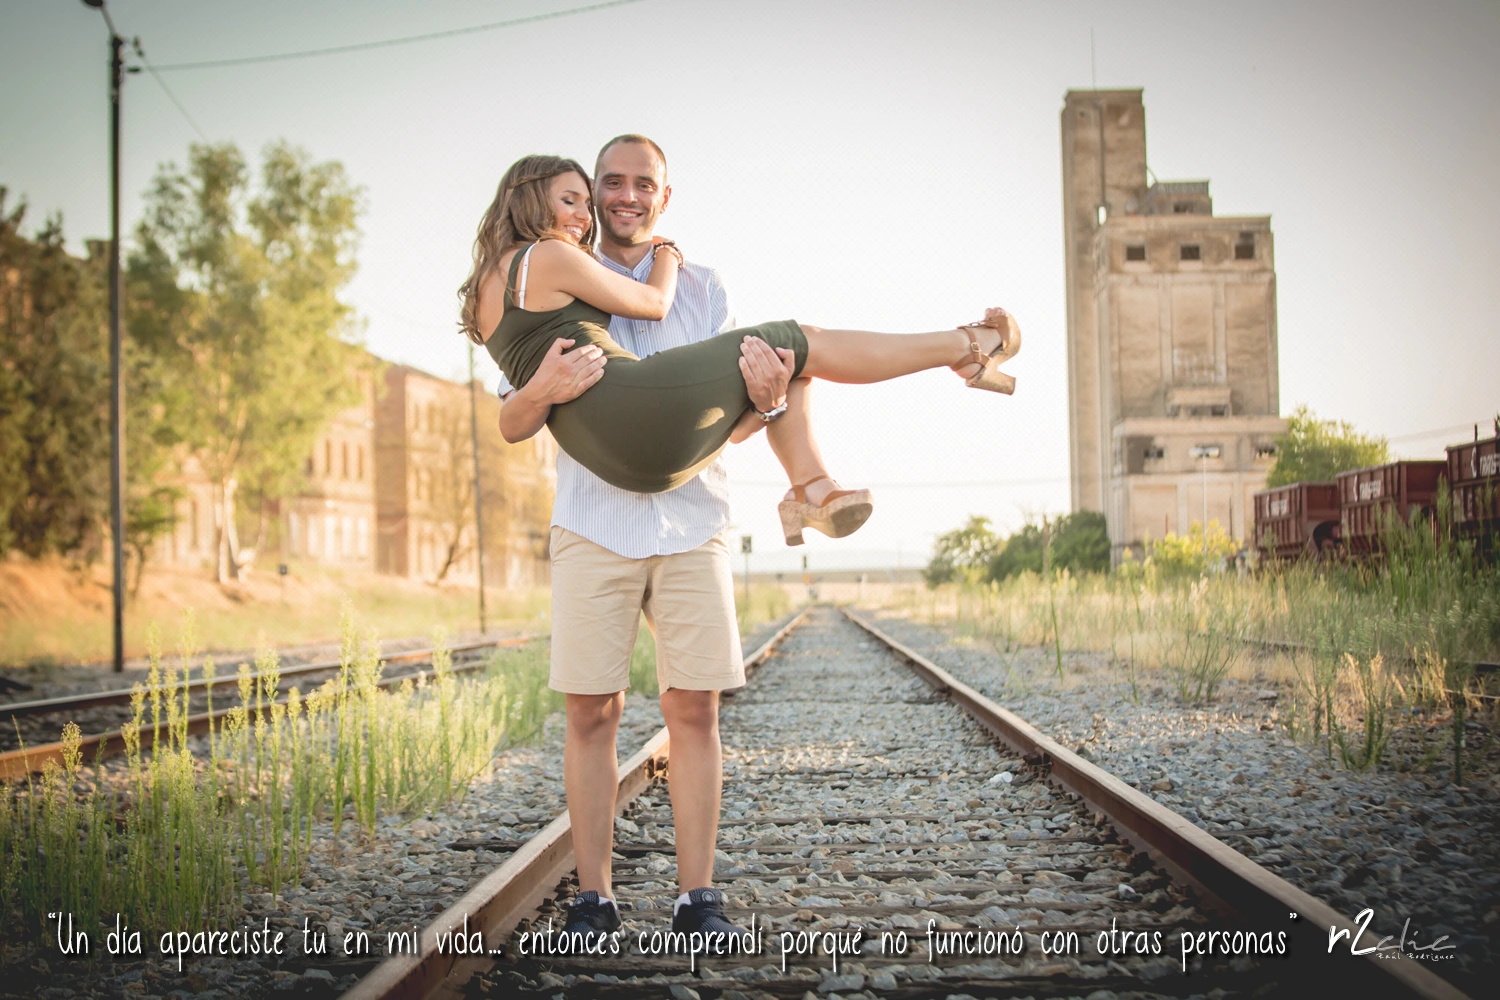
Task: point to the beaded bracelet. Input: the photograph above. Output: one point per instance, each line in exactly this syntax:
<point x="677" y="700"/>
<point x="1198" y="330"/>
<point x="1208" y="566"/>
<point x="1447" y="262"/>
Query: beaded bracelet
<point x="669" y="245"/>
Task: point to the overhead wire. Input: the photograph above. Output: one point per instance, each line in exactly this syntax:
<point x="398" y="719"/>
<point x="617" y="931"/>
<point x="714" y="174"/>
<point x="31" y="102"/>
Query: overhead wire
<point x="1437" y="432"/>
<point x="974" y="484"/>
<point x="389" y="42"/>
<point x="141" y="55"/>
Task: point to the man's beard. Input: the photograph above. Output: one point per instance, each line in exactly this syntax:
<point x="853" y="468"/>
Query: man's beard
<point x="641" y="234"/>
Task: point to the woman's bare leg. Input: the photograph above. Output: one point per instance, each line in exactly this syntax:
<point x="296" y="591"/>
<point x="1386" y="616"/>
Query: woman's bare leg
<point x="860" y="356"/>
<point x="791" y="439"/>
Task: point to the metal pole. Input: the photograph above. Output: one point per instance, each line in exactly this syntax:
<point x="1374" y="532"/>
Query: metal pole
<point x="478" y="498"/>
<point x="116" y="381"/>
<point x="1204" y="460"/>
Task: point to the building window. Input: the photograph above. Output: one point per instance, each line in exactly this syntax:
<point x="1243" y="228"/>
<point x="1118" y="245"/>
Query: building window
<point x="344" y="458"/>
<point x="328" y="457"/>
<point x="1190" y="251"/>
<point x="1136" y="251"/>
<point x="1182" y="208"/>
<point x="1155" y="451"/>
<point x="1244" y="249"/>
<point x="195" y="525"/>
<point x="1265" y="451"/>
<point x="360" y="460"/>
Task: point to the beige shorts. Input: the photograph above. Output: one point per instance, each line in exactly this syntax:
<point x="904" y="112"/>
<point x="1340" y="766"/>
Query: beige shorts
<point x="597" y="601"/>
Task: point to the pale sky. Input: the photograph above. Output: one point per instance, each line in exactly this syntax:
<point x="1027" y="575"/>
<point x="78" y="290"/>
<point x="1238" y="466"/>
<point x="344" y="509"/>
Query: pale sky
<point x="879" y="165"/>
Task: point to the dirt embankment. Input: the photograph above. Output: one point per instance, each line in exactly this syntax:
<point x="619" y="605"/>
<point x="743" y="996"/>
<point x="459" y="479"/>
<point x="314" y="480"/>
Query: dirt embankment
<point x="52" y="612"/>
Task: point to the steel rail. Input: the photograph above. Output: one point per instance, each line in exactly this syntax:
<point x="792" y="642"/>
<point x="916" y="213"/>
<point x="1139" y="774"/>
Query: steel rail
<point x="26" y="760"/>
<point x="121" y="696"/>
<point x="1226" y="879"/>
<point x="509" y="893"/>
<point x="1480" y="666"/>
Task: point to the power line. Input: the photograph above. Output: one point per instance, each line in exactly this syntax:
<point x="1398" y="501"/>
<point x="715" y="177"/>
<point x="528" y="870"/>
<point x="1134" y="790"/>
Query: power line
<point x="389" y="42"/>
<point x="141" y="54"/>
<point x="1424" y="435"/>
<point x="926" y="486"/>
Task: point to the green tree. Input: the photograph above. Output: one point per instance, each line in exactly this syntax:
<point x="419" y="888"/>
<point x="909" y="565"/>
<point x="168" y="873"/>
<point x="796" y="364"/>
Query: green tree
<point x="1191" y="554"/>
<point x="1314" y="450"/>
<point x="964" y="553"/>
<point x="236" y="290"/>
<point x="54" y="399"/>
<point x="56" y="437"/>
<point x="1020" y="553"/>
<point x="1080" y="542"/>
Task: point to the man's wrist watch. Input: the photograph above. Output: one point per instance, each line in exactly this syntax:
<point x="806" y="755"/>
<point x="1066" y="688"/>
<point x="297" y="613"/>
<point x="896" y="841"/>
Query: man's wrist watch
<point x="770" y="414"/>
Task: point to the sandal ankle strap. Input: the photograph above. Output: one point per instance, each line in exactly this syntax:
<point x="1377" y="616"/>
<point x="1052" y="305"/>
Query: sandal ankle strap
<point x="799" y="491"/>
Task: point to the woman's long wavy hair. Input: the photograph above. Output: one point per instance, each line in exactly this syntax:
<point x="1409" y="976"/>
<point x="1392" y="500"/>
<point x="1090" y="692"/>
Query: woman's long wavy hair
<point x="519" y="214"/>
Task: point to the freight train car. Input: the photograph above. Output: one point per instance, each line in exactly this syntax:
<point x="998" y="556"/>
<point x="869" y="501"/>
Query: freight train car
<point x="1367" y="497"/>
<point x="1474" y="478"/>
<point x="1296" y="520"/>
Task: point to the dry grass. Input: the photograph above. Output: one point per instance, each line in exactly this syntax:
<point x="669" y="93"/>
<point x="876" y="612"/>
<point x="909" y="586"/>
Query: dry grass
<point x="50" y="613"/>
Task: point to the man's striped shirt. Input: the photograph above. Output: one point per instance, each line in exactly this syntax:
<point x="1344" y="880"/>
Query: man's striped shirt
<point x="639" y="525"/>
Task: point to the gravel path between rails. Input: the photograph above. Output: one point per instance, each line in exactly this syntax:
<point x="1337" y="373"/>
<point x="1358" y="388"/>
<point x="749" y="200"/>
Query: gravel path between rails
<point x="855" y="804"/>
<point x="396" y="882"/>
<point x="1405" y="844"/>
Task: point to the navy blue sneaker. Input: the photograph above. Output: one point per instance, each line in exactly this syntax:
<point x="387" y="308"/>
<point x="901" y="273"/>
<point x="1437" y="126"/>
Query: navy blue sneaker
<point x="590" y="922"/>
<point x="704" y="914"/>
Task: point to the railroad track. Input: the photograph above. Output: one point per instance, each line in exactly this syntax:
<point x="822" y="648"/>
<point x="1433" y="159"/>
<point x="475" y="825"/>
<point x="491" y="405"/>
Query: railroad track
<point x="1480" y="666"/>
<point x="881" y="840"/>
<point x="27" y="718"/>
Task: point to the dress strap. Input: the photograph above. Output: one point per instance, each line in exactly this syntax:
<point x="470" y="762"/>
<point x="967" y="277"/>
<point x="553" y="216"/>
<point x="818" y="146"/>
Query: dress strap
<point x="515" y="289"/>
<point x="525" y="266"/>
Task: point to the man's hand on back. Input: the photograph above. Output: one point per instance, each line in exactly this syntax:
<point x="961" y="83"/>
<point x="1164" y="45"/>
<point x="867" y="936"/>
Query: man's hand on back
<point x="562" y="378"/>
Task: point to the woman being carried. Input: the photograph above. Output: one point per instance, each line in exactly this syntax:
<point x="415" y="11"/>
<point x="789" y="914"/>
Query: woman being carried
<point x="650" y="424"/>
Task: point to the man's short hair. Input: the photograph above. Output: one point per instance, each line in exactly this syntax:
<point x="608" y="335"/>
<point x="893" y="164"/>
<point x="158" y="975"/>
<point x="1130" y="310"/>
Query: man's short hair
<point x="636" y="138"/>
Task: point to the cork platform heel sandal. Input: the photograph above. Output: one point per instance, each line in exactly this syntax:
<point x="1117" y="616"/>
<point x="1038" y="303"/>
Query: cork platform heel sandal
<point x="989" y="375"/>
<point x="841" y="512"/>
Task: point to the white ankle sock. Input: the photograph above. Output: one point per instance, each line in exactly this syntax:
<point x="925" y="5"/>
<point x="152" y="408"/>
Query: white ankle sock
<point x="682" y="901"/>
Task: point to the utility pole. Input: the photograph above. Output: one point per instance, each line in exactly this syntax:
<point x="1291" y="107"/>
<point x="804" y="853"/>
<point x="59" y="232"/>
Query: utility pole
<point x="116" y="377"/>
<point x="1203" y="453"/>
<point x="745" y="547"/>
<point x="478" y="497"/>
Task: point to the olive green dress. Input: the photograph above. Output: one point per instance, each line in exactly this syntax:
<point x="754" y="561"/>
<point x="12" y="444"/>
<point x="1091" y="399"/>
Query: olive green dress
<point x="649" y="424"/>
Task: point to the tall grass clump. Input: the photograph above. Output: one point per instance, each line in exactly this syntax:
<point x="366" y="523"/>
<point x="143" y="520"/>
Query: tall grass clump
<point x="1202" y="642"/>
<point x="1376" y="689"/>
<point x="766" y="603"/>
<point x="1361" y="637"/>
<point x="173" y="839"/>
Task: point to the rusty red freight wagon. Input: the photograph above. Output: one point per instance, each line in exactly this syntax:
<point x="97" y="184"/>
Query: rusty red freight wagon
<point x="1368" y="496"/>
<point x="1300" y="519"/>
<point x="1474" y="477"/>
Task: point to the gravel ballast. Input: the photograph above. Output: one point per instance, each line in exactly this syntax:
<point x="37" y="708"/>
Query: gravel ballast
<point x="1407" y="845"/>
